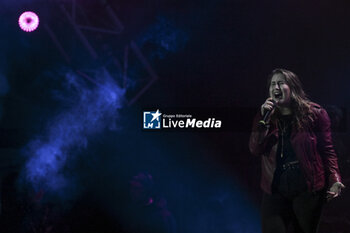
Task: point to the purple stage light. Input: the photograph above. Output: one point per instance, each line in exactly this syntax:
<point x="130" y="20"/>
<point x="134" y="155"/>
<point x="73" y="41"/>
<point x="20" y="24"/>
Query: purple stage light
<point x="28" y="21"/>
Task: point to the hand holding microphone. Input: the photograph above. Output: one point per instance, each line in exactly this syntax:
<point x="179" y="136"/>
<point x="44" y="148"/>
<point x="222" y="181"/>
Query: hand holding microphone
<point x="267" y="109"/>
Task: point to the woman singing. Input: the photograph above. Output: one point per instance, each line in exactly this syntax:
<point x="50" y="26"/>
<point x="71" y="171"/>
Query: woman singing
<point x="299" y="164"/>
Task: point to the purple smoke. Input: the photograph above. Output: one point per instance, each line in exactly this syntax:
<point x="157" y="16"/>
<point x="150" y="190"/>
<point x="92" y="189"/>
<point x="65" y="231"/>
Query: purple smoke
<point x="94" y="109"/>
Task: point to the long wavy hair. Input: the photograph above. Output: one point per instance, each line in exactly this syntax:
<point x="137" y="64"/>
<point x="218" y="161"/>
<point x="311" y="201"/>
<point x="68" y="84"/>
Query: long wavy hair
<point x="300" y="103"/>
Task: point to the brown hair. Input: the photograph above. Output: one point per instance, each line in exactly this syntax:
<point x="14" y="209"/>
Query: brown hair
<point x="300" y="103"/>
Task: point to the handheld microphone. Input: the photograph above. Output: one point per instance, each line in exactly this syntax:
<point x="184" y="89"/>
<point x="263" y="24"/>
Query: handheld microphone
<point x="267" y="114"/>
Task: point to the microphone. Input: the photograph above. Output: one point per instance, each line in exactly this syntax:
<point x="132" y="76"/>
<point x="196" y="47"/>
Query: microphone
<point x="267" y="114"/>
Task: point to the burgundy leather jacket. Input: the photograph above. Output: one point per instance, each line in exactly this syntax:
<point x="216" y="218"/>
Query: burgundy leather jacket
<point x="313" y="148"/>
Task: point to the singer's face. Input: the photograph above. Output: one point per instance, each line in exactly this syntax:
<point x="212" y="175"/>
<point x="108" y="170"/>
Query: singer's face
<point x="279" y="90"/>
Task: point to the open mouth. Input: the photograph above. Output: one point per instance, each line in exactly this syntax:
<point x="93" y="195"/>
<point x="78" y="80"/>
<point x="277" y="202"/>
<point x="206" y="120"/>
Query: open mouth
<point x="278" y="95"/>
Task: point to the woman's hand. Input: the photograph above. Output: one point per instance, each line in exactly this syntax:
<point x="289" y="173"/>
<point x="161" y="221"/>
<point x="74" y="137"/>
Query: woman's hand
<point x="267" y="106"/>
<point x="335" y="190"/>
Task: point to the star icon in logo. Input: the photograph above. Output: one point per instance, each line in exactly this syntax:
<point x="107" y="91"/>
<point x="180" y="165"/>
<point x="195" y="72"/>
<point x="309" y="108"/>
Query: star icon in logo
<point x="156" y="115"/>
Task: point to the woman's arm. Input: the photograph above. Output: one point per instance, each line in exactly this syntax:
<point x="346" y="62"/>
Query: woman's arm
<point x="259" y="137"/>
<point x="327" y="152"/>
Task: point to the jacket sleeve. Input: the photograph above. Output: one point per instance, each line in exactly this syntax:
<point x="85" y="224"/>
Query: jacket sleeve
<point x="326" y="148"/>
<point x="259" y="137"/>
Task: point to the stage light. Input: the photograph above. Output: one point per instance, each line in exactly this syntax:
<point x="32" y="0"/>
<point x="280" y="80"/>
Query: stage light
<point x="28" y="21"/>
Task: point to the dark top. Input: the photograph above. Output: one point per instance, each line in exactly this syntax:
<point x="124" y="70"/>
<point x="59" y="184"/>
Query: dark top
<point x="285" y="152"/>
<point x="290" y="182"/>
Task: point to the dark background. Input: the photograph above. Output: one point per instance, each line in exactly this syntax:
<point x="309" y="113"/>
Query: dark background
<point x="207" y="55"/>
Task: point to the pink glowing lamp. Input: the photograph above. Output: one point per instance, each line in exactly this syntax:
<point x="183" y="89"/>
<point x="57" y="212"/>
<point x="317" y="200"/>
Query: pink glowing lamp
<point x="28" y="21"/>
